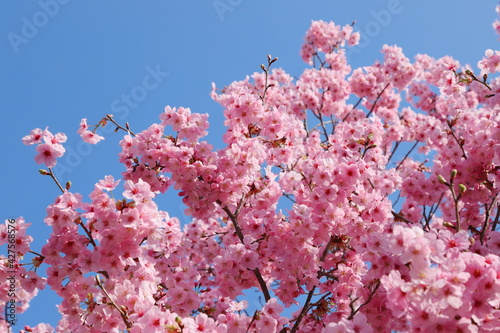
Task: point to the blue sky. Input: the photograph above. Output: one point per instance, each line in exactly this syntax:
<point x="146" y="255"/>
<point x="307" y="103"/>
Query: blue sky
<point x="66" y="60"/>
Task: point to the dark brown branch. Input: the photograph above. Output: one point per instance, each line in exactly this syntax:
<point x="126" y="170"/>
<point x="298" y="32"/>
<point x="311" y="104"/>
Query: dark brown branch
<point x="368" y="300"/>
<point x="239" y="233"/>
<point x="396" y="145"/>
<point x="460" y="144"/>
<point x="407" y="154"/>
<point x="486" y="218"/>
<point x="377" y="99"/>
<point x="306" y="307"/>
<point x="89" y="235"/>
<point x="126" y="128"/>
<point x="266" y="70"/>
<point x="51" y="174"/>
<point x="400" y="217"/>
<point x="355" y="106"/>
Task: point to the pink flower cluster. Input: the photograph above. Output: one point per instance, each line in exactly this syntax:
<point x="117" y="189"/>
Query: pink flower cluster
<point x="444" y="286"/>
<point x="496" y="24"/>
<point x="87" y="135"/>
<point x="491" y="62"/>
<point x="326" y="37"/>
<point x="49" y="146"/>
<point x="301" y="204"/>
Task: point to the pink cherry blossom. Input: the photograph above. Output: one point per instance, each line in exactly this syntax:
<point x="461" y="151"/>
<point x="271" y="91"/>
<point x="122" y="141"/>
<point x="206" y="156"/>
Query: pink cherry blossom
<point x="490" y="63"/>
<point x="365" y="198"/>
<point x="88" y="136"/>
<point x="108" y="183"/>
<point x="50" y="149"/>
<point x="35" y="137"/>
<point x="48" y="154"/>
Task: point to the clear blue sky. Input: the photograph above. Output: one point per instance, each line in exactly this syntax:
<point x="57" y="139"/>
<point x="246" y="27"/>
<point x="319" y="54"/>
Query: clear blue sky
<point x="61" y="63"/>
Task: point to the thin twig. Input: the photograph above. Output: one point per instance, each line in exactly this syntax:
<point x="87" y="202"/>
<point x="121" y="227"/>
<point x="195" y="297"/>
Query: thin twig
<point x="38" y="254"/>
<point x="474" y="78"/>
<point x="407" y="154"/>
<point x="433" y="211"/>
<point x="51" y="174"/>
<point x="396" y="145"/>
<point x="464" y="155"/>
<point x="305" y="308"/>
<point x="289" y="197"/>
<point x="122" y="313"/>
<point x="355" y="106"/>
<point x="320" y="116"/>
<point x="372" y="293"/>
<point x="334" y="124"/>
<point x="400" y="217"/>
<point x="318" y="125"/>
<point x="266" y="70"/>
<point x="376" y="100"/>
<point x="89" y="235"/>
<point x="455" y="200"/>
<point x="118" y="126"/>
<point x="253" y="319"/>
<point x="486" y="218"/>
<point x="234" y="218"/>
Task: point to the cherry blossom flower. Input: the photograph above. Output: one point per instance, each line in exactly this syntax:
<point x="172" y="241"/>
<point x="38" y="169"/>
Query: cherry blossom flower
<point x="35" y="137"/>
<point x="301" y="204"/>
<point x="88" y="136"/>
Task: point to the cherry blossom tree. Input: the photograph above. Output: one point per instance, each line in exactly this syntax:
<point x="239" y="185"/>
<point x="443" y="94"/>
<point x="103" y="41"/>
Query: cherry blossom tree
<point x="314" y="201"/>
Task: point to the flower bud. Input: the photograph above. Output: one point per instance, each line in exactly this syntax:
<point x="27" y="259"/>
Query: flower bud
<point x="43" y="172"/>
<point x="462" y="188"/>
<point x="68" y="185"/>
<point x="448" y="225"/>
<point x="453" y="174"/>
<point x="442" y="180"/>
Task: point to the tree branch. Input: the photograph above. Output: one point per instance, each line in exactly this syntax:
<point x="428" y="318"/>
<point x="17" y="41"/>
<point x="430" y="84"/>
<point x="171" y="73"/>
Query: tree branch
<point x="122" y="313"/>
<point x="305" y="308"/>
<point x="239" y="233"/>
